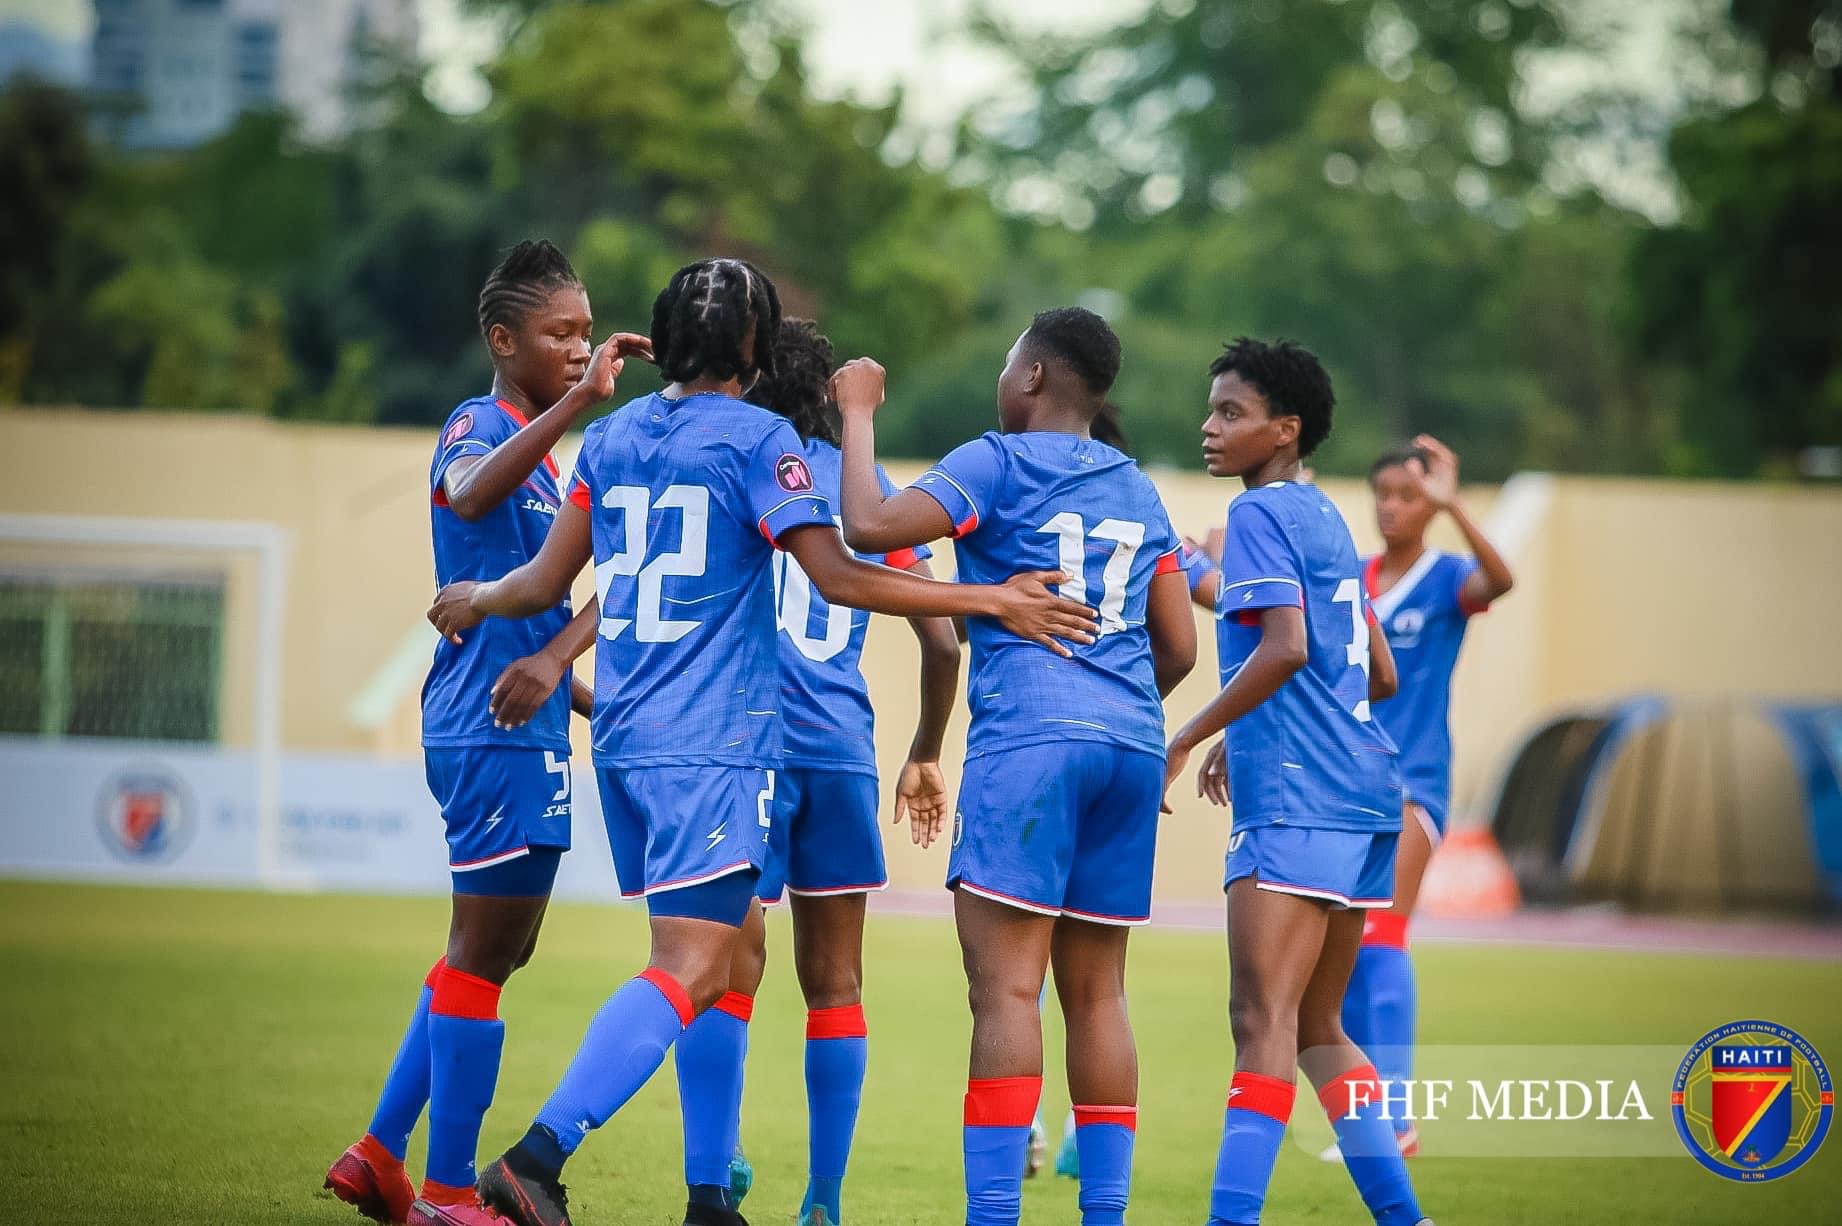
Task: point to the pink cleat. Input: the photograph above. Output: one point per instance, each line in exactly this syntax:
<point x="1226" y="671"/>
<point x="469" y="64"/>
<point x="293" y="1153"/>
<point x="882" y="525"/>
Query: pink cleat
<point x="371" y="1179"/>
<point x="466" y="1213"/>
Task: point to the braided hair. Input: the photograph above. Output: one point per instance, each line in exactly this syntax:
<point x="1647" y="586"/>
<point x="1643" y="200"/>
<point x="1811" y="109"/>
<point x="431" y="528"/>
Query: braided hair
<point x="701" y="320"/>
<point x="798" y="387"/>
<point x="523" y="282"/>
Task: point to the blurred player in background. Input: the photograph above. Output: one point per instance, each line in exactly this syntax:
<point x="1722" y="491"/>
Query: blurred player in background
<point x="681" y="499"/>
<point x="1058" y="810"/>
<point x="1315" y="787"/>
<point x="1423" y="598"/>
<point x="825" y="849"/>
<point x="502" y="782"/>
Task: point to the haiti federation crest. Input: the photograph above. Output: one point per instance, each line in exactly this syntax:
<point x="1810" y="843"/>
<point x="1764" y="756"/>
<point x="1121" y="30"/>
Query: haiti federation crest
<point x="1752" y="1101"/>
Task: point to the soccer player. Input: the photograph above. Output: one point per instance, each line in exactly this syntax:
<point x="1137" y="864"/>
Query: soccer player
<point x="503" y="791"/>
<point x="681" y="498"/>
<point x="1423" y="599"/>
<point x="825" y="850"/>
<point x="1058" y="808"/>
<point x="1317" y="797"/>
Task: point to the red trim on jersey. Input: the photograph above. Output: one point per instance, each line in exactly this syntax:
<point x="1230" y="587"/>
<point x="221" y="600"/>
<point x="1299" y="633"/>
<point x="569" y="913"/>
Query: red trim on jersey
<point x="1002" y="1102"/>
<point x="1125" y="1117"/>
<point x="1169" y="563"/>
<point x="1468" y="607"/>
<point x="1351" y="1091"/>
<point x="1385" y="929"/>
<point x="966" y="525"/>
<point x="1251" y="617"/>
<point x="578" y="494"/>
<point x="458" y="994"/>
<point x="439" y="496"/>
<point x="842" y="1022"/>
<point x="901" y="559"/>
<point x="511" y="411"/>
<point x="1263" y="1095"/>
<point x="735" y="1005"/>
<point x="672" y="991"/>
<point x="1371" y="575"/>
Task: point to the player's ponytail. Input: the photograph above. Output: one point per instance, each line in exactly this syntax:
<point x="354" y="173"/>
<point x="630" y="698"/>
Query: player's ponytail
<point x="798" y="388"/>
<point x="529" y="273"/>
<point x="703" y="320"/>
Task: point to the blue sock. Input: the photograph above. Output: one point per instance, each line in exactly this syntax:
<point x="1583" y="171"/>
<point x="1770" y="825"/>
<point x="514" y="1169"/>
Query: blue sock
<point x="1387" y="967"/>
<point x="1252" y="1129"/>
<point x="1370" y="1154"/>
<point x="837" y="1052"/>
<point x="997" y="1143"/>
<point x="1103" y="1138"/>
<point x="710" y="1058"/>
<point x="406" y="1088"/>
<point x="1358" y="1017"/>
<point x="465" y="1038"/>
<point x="625" y="1044"/>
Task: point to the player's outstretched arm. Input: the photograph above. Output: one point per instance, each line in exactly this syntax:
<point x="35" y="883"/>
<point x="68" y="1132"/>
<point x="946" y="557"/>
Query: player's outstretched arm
<point x="874" y="523"/>
<point x="1282" y="652"/>
<point x="527" y="683"/>
<point x="1172" y="628"/>
<point x="1439" y="479"/>
<point x="475" y="486"/>
<point x="539" y="584"/>
<point x="921" y="788"/>
<point x="1025" y="605"/>
<point x="1384" y="681"/>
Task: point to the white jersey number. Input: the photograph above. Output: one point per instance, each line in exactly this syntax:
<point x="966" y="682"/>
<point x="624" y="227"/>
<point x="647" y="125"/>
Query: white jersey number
<point x="793" y="598"/>
<point x="1358" y="651"/>
<point x="1071" y="534"/>
<point x="636" y="503"/>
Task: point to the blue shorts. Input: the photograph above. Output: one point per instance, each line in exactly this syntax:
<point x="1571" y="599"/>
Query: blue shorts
<point x="1346" y="868"/>
<point x="672" y="827"/>
<point x="500" y="803"/>
<point x="824" y="839"/>
<point x="1063" y="829"/>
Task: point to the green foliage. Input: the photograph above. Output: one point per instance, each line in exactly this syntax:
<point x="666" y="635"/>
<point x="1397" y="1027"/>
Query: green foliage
<point x="1359" y="174"/>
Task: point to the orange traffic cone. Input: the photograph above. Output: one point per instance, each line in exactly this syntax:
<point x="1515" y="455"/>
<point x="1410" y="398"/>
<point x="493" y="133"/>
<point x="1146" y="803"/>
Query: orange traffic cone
<point x="1469" y="878"/>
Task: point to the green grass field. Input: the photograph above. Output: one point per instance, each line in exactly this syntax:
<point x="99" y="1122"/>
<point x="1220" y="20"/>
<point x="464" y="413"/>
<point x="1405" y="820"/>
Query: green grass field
<point x="200" y="1057"/>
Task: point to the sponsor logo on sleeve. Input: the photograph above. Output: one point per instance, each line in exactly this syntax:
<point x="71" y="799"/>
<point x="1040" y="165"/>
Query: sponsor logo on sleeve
<point x="792" y="474"/>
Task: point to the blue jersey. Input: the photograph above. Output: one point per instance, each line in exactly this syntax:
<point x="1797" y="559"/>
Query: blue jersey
<point x="1424" y="616"/>
<point x="455" y="698"/>
<point x="686" y="500"/>
<point x="1043" y="500"/>
<point x="825" y="711"/>
<point x="1310" y="755"/>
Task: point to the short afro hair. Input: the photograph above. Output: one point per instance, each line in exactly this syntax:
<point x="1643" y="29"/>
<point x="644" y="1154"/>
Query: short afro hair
<point x="799" y="387"/>
<point x="1292" y="380"/>
<point x="1397" y="455"/>
<point x="1081" y="341"/>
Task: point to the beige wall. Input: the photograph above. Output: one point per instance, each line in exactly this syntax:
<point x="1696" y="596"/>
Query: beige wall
<point x="1624" y="586"/>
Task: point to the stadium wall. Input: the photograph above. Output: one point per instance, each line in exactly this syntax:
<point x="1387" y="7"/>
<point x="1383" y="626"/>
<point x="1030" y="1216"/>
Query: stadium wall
<point x="1624" y="586"/>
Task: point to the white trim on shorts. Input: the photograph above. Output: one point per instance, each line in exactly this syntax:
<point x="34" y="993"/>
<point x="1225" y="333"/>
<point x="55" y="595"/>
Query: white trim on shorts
<point x="687" y="882"/>
<point x="1114" y="921"/>
<point x="504" y="857"/>
<point x="1427" y="824"/>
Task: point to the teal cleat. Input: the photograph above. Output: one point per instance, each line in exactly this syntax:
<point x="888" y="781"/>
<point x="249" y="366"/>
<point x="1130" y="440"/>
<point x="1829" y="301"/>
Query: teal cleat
<point x="1068" y="1159"/>
<point x="741" y="1177"/>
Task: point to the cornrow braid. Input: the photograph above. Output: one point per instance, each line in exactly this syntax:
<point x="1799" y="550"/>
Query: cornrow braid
<point x="523" y="281"/>
<point x="702" y="319"/>
<point x="798" y="387"/>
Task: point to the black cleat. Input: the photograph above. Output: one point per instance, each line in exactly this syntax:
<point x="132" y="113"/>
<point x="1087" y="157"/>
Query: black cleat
<point x="525" y="1196"/>
<point x="709" y="1215"/>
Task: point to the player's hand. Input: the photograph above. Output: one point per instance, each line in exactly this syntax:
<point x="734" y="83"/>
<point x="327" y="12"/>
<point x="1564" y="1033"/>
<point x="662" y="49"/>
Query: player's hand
<point x="523" y="688"/>
<point x="1212" y="776"/>
<point x="1176" y="757"/>
<point x="1029" y="609"/>
<point x="604" y="365"/>
<point x="921" y="798"/>
<point x="858" y="386"/>
<point x="1439" y="473"/>
<point x="453" y="610"/>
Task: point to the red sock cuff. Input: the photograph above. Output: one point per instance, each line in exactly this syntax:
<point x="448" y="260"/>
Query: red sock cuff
<point x="1125" y="1117"/>
<point x="672" y="991"/>
<point x="1263" y="1095"/>
<point x="1002" y="1102"/>
<point x="458" y="994"/>
<point x="377" y="1153"/>
<point x="445" y="1194"/>
<point x="1342" y="1093"/>
<point x="839" y="1022"/>
<point x="435" y="972"/>
<point x="1387" y="929"/>
<point x="735" y="1005"/>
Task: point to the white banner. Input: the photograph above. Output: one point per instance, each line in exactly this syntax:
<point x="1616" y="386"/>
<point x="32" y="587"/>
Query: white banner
<point x="156" y="813"/>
